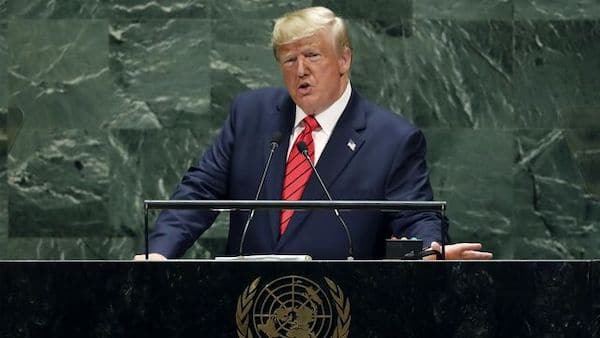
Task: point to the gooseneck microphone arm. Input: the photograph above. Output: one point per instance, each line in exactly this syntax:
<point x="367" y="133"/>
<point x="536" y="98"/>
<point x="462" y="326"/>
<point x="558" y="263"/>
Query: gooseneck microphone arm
<point x="303" y="149"/>
<point x="274" y="144"/>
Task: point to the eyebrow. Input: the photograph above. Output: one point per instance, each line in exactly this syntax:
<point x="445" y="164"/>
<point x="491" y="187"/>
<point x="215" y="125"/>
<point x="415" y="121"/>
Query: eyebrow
<point x="308" y="49"/>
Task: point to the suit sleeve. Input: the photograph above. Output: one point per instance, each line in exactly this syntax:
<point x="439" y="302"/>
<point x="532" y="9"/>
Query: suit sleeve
<point x="177" y="230"/>
<point x="408" y="180"/>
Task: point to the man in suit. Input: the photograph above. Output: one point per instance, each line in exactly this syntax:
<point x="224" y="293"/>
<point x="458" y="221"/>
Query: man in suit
<point x="361" y="151"/>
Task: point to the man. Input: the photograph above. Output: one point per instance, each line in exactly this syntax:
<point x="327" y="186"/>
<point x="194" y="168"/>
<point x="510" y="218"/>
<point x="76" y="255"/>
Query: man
<point x="361" y="151"/>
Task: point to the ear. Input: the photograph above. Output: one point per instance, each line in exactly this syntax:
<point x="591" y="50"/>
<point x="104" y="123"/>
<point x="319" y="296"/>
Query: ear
<point x="345" y="60"/>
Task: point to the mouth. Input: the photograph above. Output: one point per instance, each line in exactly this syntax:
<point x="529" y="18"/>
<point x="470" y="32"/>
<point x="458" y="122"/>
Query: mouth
<point x="304" y="88"/>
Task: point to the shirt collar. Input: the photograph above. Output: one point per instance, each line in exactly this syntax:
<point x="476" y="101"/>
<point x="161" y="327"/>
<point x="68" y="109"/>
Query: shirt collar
<point x="328" y="118"/>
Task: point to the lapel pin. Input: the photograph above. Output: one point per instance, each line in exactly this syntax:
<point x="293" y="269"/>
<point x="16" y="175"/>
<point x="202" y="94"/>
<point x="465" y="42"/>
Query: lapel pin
<point x="351" y="145"/>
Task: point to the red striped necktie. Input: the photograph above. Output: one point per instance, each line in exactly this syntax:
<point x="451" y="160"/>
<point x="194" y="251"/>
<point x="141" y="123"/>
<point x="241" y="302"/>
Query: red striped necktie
<point x="297" y="170"/>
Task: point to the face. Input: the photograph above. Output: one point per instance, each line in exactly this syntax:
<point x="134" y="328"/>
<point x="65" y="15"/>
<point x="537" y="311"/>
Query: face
<point x="314" y="73"/>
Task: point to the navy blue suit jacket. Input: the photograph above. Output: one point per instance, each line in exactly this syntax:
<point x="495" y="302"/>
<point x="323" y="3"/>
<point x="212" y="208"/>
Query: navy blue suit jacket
<point x="387" y="163"/>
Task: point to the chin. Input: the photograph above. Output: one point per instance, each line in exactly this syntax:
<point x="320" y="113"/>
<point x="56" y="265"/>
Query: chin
<point x="308" y="107"/>
<point x="310" y="110"/>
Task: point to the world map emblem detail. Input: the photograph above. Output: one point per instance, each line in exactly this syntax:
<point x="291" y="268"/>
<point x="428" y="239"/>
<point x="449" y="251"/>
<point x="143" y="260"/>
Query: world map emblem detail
<point x="295" y="307"/>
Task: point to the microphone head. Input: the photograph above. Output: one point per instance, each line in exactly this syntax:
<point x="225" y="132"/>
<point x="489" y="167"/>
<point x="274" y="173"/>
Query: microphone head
<point x="275" y="139"/>
<point x="302" y="147"/>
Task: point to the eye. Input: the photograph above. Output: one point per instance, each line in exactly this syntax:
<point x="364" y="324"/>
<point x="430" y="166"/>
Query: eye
<point x="288" y="61"/>
<point x="313" y="56"/>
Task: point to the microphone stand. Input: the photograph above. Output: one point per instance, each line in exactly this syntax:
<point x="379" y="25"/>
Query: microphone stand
<point x="303" y="148"/>
<point x="274" y="144"/>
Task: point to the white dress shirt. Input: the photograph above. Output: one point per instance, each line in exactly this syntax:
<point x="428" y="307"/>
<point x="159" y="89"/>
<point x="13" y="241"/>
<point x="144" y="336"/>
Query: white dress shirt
<point x="327" y="120"/>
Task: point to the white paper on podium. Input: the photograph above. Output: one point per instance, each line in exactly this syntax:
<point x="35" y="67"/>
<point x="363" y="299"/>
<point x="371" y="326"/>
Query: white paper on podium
<point x="268" y="258"/>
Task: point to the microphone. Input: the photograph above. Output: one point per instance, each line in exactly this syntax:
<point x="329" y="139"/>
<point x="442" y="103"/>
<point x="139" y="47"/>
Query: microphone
<point x="275" y="139"/>
<point x="303" y="149"/>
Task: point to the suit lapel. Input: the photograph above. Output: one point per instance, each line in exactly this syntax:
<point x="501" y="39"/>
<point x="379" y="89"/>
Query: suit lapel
<point x="345" y="141"/>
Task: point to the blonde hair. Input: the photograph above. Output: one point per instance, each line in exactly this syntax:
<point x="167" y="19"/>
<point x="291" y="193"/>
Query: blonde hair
<point x="307" y="22"/>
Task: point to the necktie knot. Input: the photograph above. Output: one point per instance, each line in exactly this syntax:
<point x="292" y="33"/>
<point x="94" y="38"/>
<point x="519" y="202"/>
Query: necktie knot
<point x="310" y="123"/>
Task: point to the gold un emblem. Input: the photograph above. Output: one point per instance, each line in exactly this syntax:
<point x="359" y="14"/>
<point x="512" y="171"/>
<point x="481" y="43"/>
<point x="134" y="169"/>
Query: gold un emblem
<point x="292" y="307"/>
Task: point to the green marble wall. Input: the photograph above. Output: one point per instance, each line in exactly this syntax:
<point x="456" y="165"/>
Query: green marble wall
<point x="105" y="103"/>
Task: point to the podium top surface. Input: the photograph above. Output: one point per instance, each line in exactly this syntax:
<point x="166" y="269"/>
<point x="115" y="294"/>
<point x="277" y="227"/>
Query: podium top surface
<point x="234" y="205"/>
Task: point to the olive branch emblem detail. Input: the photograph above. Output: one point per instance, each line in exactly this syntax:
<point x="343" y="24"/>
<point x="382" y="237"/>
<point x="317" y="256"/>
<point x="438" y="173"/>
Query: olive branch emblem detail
<point x="244" y="304"/>
<point x="342" y="306"/>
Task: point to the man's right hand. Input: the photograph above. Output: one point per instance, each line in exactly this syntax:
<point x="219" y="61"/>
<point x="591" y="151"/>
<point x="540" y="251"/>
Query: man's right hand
<point x="151" y="257"/>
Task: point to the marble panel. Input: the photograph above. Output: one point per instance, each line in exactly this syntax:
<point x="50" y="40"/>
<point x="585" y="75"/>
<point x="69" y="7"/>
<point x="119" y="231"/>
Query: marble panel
<point x="380" y="63"/>
<point x="56" y="9"/>
<point x="3" y="9"/>
<point x="557" y="217"/>
<point x="241" y="59"/>
<point x="556" y="82"/>
<point x="556" y="9"/>
<point x="33" y="248"/>
<point x="3" y="69"/>
<point x="98" y="248"/>
<point x="472" y="171"/>
<point x="463" y="9"/>
<point x="585" y="146"/>
<point x="155" y="9"/>
<point x="463" y="74"/>
<point x="383" y="11"/>
<point x="148" y="164"/>
<point x="58" y="183"/>
<point x="3" y="133"/>
<point x="257" y="9"/>
<point x="58" y="74"/>
<point x="160" y="71"/>
<point x="3" y="178"/>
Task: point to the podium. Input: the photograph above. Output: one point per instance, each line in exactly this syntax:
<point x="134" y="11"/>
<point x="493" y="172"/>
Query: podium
<point x="283" y="299"/>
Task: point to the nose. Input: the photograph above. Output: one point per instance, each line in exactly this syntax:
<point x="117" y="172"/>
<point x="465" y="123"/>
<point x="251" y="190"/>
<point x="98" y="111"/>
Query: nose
<point x="302" y="69"/>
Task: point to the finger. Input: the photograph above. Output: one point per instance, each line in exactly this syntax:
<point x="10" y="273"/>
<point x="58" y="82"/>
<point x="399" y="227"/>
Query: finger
<point x="151" y="257"/>
<point x="436" y="246"/>
<point x="477" y="255"/>
<point x="469" y="246"/>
